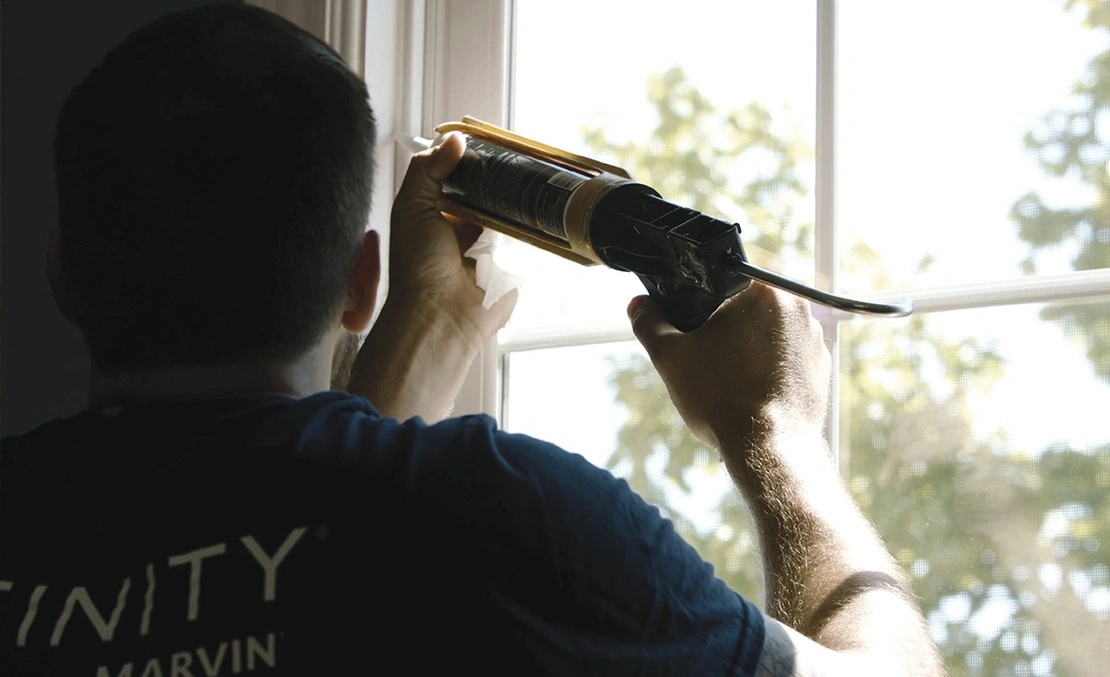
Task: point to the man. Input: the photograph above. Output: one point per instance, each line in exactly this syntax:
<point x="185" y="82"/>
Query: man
<point x="219" y="509"/>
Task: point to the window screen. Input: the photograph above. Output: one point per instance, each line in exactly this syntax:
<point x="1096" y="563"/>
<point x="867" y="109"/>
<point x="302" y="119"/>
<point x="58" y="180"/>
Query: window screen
<point x="971" y="149"/>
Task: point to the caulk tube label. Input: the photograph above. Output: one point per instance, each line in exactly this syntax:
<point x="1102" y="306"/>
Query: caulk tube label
<point x="523" y="190"/>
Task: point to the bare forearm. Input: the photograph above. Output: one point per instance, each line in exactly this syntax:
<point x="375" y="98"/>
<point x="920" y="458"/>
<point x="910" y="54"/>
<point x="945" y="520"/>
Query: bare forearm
<point x="413" y="362"/>
<point x="812" y="534"/>
<point x="434" y="321"/>
<point x="753" y="382"/>
<point x="828" y="574"/>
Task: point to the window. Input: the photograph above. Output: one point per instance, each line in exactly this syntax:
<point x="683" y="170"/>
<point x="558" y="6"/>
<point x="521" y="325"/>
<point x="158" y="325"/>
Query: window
<point x="955" y="152"/>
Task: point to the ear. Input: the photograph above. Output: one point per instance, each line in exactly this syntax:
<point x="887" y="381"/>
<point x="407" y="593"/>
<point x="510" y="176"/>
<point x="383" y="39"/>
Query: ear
<point x="54" y="277"/>
<point x="363" y="289"/>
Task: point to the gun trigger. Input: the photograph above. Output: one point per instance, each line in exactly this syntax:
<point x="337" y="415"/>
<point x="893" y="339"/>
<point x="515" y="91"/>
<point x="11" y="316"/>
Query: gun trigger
<point x="641" y="264"/>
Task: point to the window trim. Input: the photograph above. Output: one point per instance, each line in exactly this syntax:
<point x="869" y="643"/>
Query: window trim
<point x="340" y="23"/>
<point x="466" y="65"/>
<point x="470" y="73"/>
<point x="825" y="249"/>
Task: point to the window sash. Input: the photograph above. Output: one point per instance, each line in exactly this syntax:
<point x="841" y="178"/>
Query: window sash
<point x="455" y="58"/>
<point x="468" y="71"/>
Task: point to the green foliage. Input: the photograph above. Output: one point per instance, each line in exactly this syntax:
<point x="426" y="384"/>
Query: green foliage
<point x="1072" y="146"/>
<point x="654" y="436"/>
<point x="985" y="533"/>
<point x="703" y="150"/>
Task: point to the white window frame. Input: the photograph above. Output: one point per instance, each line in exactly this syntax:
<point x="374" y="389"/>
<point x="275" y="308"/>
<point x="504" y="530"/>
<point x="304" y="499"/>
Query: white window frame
<point x="456" y="59"/>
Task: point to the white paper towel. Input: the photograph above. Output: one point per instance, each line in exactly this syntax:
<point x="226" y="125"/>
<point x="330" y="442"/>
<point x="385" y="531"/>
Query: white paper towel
<point x="490" y="275"/>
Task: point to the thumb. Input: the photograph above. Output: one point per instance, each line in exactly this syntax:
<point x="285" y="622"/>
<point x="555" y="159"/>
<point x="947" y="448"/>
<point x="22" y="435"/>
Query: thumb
<point x="428" y="167"/>
<point x="445" y="155"/>
<point x="649" y="323"/>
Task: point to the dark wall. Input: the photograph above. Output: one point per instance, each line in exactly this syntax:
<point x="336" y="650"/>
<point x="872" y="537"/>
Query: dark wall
<point x="45" y="48"/>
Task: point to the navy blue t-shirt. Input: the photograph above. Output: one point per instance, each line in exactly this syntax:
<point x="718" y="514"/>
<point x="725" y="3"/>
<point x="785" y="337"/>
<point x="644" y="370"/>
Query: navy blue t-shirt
<point x="310" y="537"/>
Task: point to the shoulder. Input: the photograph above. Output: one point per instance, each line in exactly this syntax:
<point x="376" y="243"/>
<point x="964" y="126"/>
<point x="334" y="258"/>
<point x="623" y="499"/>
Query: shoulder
<point x="467" y="459"/>
<point x="622" y="581"/>
<point x="539" y="486"/>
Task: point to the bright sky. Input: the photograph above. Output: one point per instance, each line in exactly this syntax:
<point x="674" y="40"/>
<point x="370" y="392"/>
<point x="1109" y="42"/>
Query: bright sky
<point x="934" y="101"/>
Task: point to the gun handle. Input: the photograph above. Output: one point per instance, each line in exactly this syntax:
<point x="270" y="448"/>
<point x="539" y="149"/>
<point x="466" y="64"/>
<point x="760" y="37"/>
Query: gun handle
<point x="685" y="306"/>
<point x="685" y="259"/>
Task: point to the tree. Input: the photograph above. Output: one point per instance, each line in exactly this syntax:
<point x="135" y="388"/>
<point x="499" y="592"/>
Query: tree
<point x="1073" y="144"/>
<point x="976" y="525"/>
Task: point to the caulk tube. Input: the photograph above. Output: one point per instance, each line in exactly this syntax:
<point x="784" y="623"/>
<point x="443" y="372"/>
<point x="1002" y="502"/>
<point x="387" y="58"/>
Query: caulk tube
<point x="590" y="212"/>
<point x="593" y="213"/>
<point x="532" y="192"/>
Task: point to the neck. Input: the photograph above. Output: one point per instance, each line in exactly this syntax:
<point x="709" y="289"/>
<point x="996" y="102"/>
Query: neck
<point x="298" y="378"/>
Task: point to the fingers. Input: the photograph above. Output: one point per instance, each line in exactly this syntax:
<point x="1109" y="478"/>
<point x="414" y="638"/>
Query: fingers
<point x="649" y="323"/>
<point x="423" y="243"/>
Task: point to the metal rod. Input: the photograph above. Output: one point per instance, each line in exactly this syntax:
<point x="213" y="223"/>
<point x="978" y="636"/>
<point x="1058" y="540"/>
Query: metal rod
<point x="894" y="309"/>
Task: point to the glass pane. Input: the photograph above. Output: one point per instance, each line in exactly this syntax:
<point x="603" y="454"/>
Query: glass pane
<point x="606" y="402"/>
<point x="672" y="97"/>
<point x="978" y="439"/>
<point x="978" y="442"/>
<point x="972" y="140"/>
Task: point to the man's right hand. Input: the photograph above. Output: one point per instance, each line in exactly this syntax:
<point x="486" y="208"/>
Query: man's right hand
<point x="433" y="323"/>
<point x="753" y="382"/>
<point x="758" y="361"/>
<point x="426" y="263"/>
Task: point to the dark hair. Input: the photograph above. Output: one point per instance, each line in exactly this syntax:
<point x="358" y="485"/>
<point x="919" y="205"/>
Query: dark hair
<point x="214" y="178"/>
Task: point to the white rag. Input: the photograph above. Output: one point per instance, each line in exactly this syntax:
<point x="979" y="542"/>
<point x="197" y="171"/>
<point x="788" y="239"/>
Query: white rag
<point x="489" y="274"/>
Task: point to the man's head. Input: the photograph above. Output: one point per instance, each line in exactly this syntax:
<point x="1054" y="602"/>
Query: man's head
<point x="214" y="180"/>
